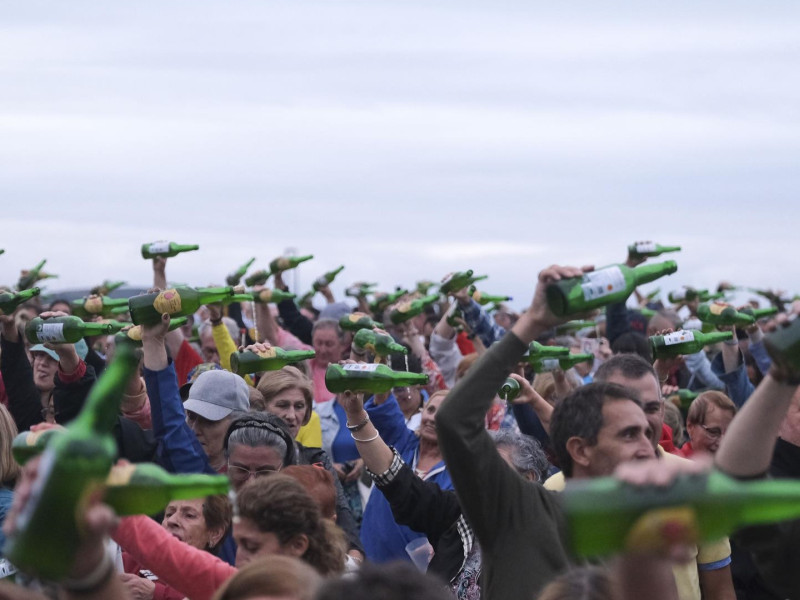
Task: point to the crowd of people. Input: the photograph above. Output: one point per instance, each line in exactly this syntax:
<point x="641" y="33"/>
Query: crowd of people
<point x="350" y="495"/>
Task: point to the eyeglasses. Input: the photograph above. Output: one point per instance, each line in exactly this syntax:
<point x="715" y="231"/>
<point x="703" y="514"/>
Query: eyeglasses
<point x="240" y="474"/>
<point x="714" y="433"/>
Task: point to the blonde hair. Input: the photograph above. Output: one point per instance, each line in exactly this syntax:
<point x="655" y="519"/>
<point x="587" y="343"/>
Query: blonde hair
<point x="273" y="383"/>
<point x="9" y="469"/>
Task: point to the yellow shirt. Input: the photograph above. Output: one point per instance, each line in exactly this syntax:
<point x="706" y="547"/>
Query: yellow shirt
<point x="310" y="434"/>
<point x="687" y="578"/>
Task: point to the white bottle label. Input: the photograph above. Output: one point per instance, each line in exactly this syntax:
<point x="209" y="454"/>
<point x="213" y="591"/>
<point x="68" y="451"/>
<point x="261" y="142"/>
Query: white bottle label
<point x="678" y="337"/>
<point x="51" y="332"/>
<point x="159" y="247"/>
<point x="644" y="247"/>
<point x="550" y="364"/>
<point x="6" y="568"/>
<point x="604" y="282"/>
<point x="361" y="367"/>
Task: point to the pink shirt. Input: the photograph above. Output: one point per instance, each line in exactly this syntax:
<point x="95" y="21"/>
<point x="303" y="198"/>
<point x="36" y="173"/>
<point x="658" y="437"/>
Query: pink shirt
<point x="321" y="392"/>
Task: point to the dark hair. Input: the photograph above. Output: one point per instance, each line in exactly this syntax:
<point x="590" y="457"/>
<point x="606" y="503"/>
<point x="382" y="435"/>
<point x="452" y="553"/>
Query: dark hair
<point x="580" y="414"/>
<point x="262" y="429"/>
<point x="397" y="362"/>
<point x="278" y="504"/>
<point x="629" y="365"/>
<point x="393" y="581"/>
<point x="218" y="512"/>
<point x="632" y="342"/>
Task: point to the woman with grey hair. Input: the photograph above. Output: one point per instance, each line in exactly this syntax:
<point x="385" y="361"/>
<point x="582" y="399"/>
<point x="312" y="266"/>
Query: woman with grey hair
<point x="257" y="444"/>
<point x="425" y="507"/>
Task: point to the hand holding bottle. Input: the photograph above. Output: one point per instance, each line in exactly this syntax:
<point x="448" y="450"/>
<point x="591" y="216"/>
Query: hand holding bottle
<point x="634" y="258"/>
<point x="154" y="344"/>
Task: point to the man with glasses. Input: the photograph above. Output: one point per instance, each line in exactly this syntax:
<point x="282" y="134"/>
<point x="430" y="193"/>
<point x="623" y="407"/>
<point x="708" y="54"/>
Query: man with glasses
<point x="708" y="420"/>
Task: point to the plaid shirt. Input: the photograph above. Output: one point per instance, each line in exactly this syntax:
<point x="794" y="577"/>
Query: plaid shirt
<point x="481" y="324"/>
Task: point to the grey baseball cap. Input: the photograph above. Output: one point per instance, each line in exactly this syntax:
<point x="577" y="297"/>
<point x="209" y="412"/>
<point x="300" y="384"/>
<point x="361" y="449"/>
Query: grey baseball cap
<point x="216" y="394"/>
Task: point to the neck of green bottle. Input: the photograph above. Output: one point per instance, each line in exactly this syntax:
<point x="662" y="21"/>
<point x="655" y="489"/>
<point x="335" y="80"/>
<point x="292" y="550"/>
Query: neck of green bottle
<point x="100" y="412"/>
<point x="647" y="273"/>
<point x="214" y="294"/>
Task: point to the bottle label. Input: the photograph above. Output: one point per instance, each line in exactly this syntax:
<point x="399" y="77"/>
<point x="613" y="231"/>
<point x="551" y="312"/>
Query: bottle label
<point x="135" y="333"/>
<point x="265" y="295"/>
<point x="120" y="475"/>
<point x="361" y="368"/>
<point x="598" y="284"/>
<point x="355" y="317"/>
<point x="168" y="301"/>
<point x="322" y="281"/>
<point x="51" y="332"/>
<point x="678" y="337"/>
<point x="283" y="263"/>
<point x="93" y="305"/>
<point x="716" y="308"/>
<point x="6" y="568"/>
<point x="403" y="307"/>
<point x="159" y="248"/>
<point x="550" y="364"/>
<point x="268" y="353"/>
<point x="645" y="247"/>
<point x="46" y="465"/>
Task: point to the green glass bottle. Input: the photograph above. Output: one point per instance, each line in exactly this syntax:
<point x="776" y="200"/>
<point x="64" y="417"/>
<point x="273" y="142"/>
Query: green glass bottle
<point x="146" y="309"/>
<point x="606" y="516"/>
<point x="271" y="359"/>
<point x="783" y="346"/>
<point x="28" y="278"/>
<point x="649" y="249"/>
<point x="146" y="488"/>
<point x="372" y="378"/>
<point x="165" y="249"/>
<point x="653" y="295"/>
<point x="284" y="263"/>
<point x="241" y="297"/>
<point x="9" y="301"/>
<point x="274" y="296"/>
<point x="406" y="310"/>
<point x="483" y="298"/>
<point x="92" y="306"/>
<point x="424" y="286"/>
<point x="459" y="280"/>
<point x="62" y="330"/>
<point x="74" y="462"/>
<point x="571" y="326"/>
<point x="105" y="288"/>
<point x="358" y="320"/>
<point x="359" y="290"/>
<point x="306" y="299"/>
<point x="381" y="301"/>
<point x="544" y="365"/>
<point x="647" y="313"/>
<point x="258" y="278"/>
<point x="537" y="351"/>
<point x="133" y="333"/>
<point x="683" y="398"/>
<point x="28" y="444"/>
<point x="326" y="279"/>
<point x="719" y="313"/>
<point x="379" y="344"/>
<point x="604" y="286"/>
<point x="759" y="313"/>
<point x="509" y="390"/>
<point x="116" y="326"/>
<point x="235" y="277"/>
<point x="452" y="319"/>
<point x="684" y="342"/>
<point x="688" y="294"/>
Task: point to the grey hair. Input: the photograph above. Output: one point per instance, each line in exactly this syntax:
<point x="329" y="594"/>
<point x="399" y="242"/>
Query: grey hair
<point x="256" y="437"/>
<point x="527" y="455"/>
<point x="329" y="324"/>
<point x="233" y="328"/>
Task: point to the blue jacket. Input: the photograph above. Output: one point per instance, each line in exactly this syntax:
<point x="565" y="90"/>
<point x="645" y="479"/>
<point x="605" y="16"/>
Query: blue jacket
<point x="384" y="540"/>
<point x="178" y="448"/>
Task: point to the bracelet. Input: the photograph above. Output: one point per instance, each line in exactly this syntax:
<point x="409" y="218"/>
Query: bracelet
<point x="358" y="353"/>
<point x="733" y="342"/>
<point x="372" y="439"/>
<point x="94" y="580"/>
<point x="359" y="426"/>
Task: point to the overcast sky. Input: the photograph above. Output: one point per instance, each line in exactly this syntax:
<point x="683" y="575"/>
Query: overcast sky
<point x="403" y="139"/>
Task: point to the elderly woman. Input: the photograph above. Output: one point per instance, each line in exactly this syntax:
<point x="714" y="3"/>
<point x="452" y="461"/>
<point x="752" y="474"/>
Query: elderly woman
<point x="275" y="515"/>
<point x="287" y="394"/>
<point x="201" y="523"/>
<point x="425" y="507"/>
